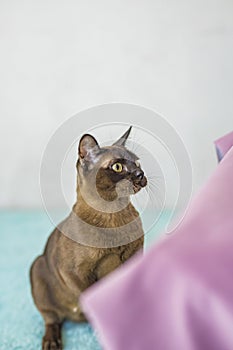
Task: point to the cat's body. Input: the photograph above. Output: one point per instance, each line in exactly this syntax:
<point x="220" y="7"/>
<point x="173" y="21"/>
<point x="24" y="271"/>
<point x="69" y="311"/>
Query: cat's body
<point x="67" y="266"/>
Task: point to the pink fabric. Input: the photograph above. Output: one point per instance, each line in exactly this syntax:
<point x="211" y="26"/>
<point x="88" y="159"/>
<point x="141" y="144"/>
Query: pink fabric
<point x="223" y="144"/>
<point x="179" y="295"/>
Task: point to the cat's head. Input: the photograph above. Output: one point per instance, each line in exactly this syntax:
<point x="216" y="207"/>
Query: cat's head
<point x="113" y="171"/>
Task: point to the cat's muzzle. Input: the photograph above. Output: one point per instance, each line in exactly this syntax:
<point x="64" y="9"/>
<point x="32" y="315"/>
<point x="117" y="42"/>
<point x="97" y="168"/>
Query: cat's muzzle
<point x="139" y="183"/>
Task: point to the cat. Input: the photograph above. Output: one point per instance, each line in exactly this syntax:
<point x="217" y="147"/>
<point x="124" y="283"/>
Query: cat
<point x="102" y="232"/>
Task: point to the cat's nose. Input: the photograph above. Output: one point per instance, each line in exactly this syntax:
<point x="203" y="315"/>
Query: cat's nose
<point x="139" y="174"/>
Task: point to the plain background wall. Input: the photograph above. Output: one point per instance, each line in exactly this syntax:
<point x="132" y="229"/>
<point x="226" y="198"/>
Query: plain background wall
<point x="59" y="57"/>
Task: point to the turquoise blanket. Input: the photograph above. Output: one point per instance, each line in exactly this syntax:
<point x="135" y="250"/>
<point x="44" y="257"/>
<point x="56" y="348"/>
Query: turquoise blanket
<point x="23" y="236"/>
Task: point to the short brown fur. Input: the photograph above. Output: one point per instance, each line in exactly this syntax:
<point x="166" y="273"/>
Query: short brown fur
<point x="67" y="268"/>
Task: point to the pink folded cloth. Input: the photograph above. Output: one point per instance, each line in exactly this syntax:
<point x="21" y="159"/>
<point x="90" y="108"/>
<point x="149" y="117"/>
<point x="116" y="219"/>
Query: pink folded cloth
<point x="179" y="295"/>
<point x="223" y="144"/>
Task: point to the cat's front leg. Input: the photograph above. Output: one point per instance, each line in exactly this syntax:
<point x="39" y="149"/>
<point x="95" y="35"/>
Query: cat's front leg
<point x="132" y="248"/>
<point x="52" y="338"/>
<point x="92" y="277"/>
<point x="106" y="264"/>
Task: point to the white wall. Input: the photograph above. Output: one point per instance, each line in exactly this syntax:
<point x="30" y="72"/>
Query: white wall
<point x="58" y="57"/>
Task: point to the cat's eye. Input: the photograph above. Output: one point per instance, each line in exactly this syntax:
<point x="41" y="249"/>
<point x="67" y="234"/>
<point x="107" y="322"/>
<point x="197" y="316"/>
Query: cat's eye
<point x="137" y="163"/>
<point x="117" y="167"/>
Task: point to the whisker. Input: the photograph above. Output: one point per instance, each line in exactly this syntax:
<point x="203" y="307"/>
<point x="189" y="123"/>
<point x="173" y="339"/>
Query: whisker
<point x="155" y="194"/>
<point x="154" y="176"/>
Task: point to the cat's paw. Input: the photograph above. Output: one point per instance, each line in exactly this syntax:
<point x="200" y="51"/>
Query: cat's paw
<point x="92" y="278"/>
<point x="52" y="338"/>
<point x="52" y="344"/>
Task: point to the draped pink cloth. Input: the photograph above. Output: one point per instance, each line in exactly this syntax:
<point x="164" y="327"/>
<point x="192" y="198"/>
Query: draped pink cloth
<point x="179" y="295"/>
<point x="223" y="144"/>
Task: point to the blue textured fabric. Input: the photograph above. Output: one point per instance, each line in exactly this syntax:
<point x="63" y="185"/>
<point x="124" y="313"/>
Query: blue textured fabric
<point x="23" y="235"/>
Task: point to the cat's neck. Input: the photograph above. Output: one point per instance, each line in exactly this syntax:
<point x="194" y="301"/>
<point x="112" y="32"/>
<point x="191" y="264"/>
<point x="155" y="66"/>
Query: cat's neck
<point x="122" y="212"/>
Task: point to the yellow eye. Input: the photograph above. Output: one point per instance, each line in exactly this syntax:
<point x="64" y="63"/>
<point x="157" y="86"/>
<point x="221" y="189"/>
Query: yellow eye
<point x="117" y="167"/>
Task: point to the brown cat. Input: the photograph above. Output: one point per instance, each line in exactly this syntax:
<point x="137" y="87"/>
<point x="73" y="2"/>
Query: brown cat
<point x="103" y="231"/>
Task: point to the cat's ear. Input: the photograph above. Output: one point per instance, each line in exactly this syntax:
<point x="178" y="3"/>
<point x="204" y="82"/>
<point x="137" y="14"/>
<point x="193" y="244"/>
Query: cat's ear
<point x="122" y="140"/>
<point x="88" y="147"/>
